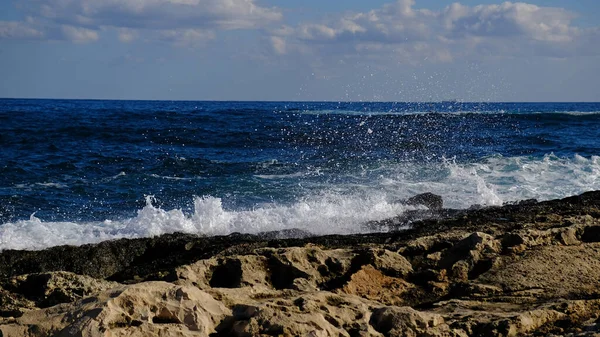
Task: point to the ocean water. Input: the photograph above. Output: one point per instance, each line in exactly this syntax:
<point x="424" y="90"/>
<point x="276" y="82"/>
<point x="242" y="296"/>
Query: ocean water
<point x="77" y="171"/>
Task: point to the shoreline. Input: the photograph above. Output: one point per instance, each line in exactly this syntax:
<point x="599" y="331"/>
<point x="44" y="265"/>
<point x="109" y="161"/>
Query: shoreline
<point x="489" y="271"/>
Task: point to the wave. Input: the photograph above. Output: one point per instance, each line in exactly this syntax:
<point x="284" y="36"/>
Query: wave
<point x="325" y="214"/>
<point x="339" y="206"/>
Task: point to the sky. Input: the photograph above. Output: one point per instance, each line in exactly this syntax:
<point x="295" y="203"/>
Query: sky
<point x="311" y="50"/>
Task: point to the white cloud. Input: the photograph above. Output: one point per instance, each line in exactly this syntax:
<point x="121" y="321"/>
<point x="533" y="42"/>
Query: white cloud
<point x="396" y="22"/>
<point x="18" y="30"/>
<point x="79" y="34"/>
<point x="156" y="14"/>
<point x="278" y="44"/>
<point x="81" y="20"/>
<point x="402" y="31"/>
<point x="510" y="19"/>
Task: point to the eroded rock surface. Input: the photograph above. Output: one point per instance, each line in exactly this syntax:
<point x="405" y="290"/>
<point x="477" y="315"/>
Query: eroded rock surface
<point x="521" y="269"/>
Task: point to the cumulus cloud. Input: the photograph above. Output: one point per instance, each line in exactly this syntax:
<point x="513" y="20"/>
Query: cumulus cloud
<point x="82" y="20"/>
<point x="396" y="22"/>
<point x="401" y="30"/>
<point x="510" y="19"/>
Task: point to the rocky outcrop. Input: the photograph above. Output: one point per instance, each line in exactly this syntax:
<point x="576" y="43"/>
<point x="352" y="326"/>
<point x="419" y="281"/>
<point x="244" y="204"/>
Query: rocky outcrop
<point x="522" y="269"/>
<point x="145" y="309"/>
<point x="429" y="200"/>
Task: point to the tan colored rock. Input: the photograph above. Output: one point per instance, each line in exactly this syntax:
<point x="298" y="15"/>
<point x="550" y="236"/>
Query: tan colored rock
<point x="557" y="271"/>
<point x="13" y="304"/>
<point x="228" y="272"/>
<point x="390" y="263"/>
<point x="568" y="237"/>
<point x="372" y="284"/>
<point x="460" y="270"/>
<point x="314" y="314"/>
<point x="150" y="308"/>
<point x="407" y="322"/>
<point x="472" y="248"/>
<point x="48" y="289"/>
<point x="311" y="263"/>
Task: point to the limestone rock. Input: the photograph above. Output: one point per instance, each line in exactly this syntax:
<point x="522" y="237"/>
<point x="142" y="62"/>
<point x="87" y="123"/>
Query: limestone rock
<point x="372" y="284"/>
<point x="151" y="308"/>
<point x="48" y="289"/>
<point x="390" y="263"/>
<point x="314" y="314"/>
<point x="407" y="322"/>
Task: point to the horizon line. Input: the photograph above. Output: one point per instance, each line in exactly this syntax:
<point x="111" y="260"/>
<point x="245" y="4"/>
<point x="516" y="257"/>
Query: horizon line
<point x="456" y="101"/>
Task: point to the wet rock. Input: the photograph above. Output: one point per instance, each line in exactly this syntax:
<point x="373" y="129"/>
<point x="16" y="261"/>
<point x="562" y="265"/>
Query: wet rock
<point x="432" y="201"/>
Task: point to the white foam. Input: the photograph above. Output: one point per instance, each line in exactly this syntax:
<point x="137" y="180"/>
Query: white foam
<point x="324" y="214"/>
<point x="44" y="184"/>
<point x="367" y="195"/>
<point x="175" y="178"/>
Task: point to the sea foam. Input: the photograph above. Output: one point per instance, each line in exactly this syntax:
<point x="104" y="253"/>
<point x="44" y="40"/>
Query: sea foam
<point x="343" y="208"/>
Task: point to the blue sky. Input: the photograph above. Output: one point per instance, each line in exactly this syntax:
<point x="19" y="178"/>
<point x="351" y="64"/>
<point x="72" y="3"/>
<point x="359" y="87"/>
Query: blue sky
<point x="405" y="50"/>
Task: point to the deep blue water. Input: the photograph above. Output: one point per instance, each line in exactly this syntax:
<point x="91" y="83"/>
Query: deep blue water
<point x="84" y="168"/>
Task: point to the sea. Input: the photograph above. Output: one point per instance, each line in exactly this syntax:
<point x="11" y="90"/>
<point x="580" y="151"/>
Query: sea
<point x="83" y="171"/>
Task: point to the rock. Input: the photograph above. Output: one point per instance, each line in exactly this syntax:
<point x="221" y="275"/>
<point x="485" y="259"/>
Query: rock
<point x="591" y="234"/>
<point x="151" y="308"/>
<point x="372" y="284"/>
<point x="314" y="314"/>
<point x="568" y="237"/>
<point x="14" y="305"/>
<point x="556" y="271"/>
<point x="48" y="289"/>
<point x="432" y="201"/>
<point x="407" y="322"/>
<point x="390" y="263"/>
<point x="472" y="256"/>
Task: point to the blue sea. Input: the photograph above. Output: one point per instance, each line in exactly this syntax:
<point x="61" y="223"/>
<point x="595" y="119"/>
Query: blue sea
<point x="84" y="171"/>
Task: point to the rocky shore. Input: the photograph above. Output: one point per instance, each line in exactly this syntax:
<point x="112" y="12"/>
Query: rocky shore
<point x="530" y="268"/>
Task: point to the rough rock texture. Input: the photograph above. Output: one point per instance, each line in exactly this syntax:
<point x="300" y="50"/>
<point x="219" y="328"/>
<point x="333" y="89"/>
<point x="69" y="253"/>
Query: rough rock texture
<point x="523" y="269"/>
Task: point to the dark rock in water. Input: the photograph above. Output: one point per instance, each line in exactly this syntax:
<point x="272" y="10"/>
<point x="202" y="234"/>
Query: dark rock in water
<point x="293" y="233"/>
<point x="521" y="202"/>
<point x="432" y="201"/>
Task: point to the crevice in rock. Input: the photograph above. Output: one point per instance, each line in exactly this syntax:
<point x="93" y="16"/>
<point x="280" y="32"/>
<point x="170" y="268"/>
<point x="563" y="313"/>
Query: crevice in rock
<point x="282" y="275"/>
<point x="227" y="275"/>
<point x="165" y="320"/>
<point x="480" y="268"/>
<point x="591" y="234"/>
